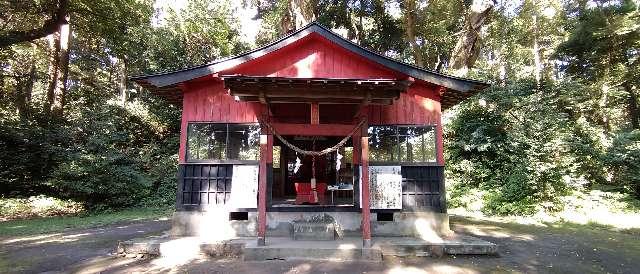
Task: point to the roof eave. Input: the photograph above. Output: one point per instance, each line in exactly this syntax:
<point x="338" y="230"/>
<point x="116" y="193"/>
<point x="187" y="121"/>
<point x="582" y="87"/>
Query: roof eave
<point x="448" y="81"/>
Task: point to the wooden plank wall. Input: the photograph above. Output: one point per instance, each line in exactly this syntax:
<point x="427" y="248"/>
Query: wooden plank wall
<point x="314" y="56"/>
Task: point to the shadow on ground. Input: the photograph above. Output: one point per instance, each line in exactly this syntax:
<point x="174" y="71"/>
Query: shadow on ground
<point x="523" y="248"/>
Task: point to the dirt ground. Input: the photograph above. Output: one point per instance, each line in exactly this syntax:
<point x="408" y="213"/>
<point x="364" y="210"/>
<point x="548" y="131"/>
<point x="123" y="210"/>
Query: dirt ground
<point x="523" y="248"/>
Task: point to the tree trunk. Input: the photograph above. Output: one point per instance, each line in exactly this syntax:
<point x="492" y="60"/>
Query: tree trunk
<point x="53" y="70"/>
<point x="61" y="91"/>
<point x="24" y="88"/>
<point x="19" y="97"/>
<point x="58" y="69"/>
<point x="49" y="27"/>
<point x="467" y="48"/>
<point x="122" y="81"/>
<point x="360" y="26"/>
<point x="634" y="114"/>
<point x="410" y="30"/>
<point x="603" y="103"/>
<point x="536" y="52"/>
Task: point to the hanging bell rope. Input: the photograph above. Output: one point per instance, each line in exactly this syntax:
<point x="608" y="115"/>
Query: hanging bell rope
<point x="315" y="153"/>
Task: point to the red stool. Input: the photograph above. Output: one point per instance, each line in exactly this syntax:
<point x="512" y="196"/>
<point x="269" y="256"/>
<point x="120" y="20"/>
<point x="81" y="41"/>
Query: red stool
<point x="304" y="193"/>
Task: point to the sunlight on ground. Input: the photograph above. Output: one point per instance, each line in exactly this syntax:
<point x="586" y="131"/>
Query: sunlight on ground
<point x="178" y="252"/>
<point x="406" y="270"/>
<point x="99" y="265"/>
<point x="346" y="246"/>
<point x="34" y="238"/>
<point x="299" y="269"/>
<point x="592" y="207"/>
<point x="425" y="231"/>
<point x="181" y="251"/>
<point x="44" y="239"/>
<point x="491" y="231"/>
<point x="437" y="268"/>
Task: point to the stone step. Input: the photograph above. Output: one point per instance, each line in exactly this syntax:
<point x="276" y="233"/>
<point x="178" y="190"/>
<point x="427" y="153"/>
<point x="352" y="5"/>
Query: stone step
<point x="314" y="231"/>
<point x="346" y="249"/>
<point x="167" y="246"/>
<point x="458" y="245"/>
<point x="293" y="253"/>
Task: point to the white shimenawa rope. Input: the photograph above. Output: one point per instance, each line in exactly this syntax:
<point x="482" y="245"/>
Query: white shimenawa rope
<point x="315" y="153"/>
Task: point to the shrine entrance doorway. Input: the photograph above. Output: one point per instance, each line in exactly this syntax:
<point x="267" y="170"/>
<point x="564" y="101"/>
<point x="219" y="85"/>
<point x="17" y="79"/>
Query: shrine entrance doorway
<point x="292" y="173"/>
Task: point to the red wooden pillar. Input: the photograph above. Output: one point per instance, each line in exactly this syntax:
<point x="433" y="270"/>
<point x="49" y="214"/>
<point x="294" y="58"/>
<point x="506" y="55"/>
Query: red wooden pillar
<point x="439" y="143"/>
<point x="366" y="212"/>
<point x="315" y="114"/>
<point x="266" y="147"/>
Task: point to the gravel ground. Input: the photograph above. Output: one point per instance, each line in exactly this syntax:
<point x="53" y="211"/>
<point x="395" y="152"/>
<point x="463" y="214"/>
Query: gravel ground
<point x="523" y="248"/>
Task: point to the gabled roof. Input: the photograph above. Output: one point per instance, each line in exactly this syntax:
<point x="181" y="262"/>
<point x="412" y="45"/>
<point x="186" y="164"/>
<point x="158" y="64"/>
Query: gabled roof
<point x="165" y="83"/>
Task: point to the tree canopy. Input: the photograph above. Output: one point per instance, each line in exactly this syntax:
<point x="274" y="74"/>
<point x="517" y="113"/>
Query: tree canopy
<point x="562" y="113"/>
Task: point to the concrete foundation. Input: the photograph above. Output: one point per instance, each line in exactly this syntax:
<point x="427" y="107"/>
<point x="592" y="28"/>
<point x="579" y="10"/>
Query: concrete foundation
<point x="345" y="249"/>
<point x="315" y="231"/>
<point x="215" y="224"/>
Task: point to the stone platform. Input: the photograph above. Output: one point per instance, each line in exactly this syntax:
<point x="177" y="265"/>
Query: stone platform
<point x="283" y="248"/>
<point x="317" y="231"/>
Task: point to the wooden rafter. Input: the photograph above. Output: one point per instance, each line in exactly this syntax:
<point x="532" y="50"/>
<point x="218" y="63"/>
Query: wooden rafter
<point x="314" y="90"/>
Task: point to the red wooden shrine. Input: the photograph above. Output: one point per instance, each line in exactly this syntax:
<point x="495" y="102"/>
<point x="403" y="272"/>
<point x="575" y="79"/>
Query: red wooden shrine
<point x="311" y="83"/>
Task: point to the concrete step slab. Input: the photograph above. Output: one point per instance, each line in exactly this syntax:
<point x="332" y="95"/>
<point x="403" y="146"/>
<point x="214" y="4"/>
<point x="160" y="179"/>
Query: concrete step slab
<point x="314" y="231"/>
<point x="277" y="248"/>
<point x="168" y="246"/>
<point x="346" y="249"/>
<point x="452" y="245"/>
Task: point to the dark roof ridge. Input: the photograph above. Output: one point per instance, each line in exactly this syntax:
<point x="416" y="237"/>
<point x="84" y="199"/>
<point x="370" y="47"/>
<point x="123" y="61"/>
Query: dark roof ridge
<point x="163" y="79"/>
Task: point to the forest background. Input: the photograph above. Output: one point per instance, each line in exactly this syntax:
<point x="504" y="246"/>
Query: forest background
<point x="559" y="126"/>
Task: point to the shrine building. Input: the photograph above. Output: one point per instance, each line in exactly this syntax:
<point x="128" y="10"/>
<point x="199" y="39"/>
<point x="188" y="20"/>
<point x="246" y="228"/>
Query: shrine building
<point x="310" y="129"/>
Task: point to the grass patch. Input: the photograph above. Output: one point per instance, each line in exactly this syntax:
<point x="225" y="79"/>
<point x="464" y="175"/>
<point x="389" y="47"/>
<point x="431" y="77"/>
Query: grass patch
<point x="37" y="206"/>
<point x="600" y="208"/>
<point x="87" y="220"/>
<point x="592" y="235"/>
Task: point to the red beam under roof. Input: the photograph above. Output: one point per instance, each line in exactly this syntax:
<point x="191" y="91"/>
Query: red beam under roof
<point x="331" y="90"/>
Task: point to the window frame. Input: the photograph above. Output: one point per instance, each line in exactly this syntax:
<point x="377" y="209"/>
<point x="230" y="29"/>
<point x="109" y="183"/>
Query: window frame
<point x="398" y="149"/>
<point x="218" y="161"/>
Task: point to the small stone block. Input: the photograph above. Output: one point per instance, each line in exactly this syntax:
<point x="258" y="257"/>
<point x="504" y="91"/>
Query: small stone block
<point x="314" y="231"/>
<point x="436" y="251"/>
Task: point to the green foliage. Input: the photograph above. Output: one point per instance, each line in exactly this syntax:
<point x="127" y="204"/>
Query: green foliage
<point x="103" y="152"/>
<point x="624" y="159"/>
<point x="513" y="142"/>
<point x="37" y="206"/>
<point x="201" y="32"/>
<point x="30" y="152"/>
<point x="523" y="144"/>
<point x="39" y="226"/>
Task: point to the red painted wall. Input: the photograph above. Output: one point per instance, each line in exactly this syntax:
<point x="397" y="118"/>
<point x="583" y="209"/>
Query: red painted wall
<point x="205" y="99"/>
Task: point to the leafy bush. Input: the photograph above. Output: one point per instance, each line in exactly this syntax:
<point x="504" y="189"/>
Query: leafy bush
<point x="163" y="171"/>
<point x="37" y="206"/>
<point x="31" y="150"/>
<point x="121" y="158"/>
<point x="100" y="155"/>
<point x="623" y="157"/>
<point x="110" y="179"/>
<point x="512" y="142"/>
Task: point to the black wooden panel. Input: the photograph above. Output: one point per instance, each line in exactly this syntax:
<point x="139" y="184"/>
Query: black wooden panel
<point x="203" y="184"/>
<point x="269" y="183"/>
<point x="356" y="185"/>
<point x="422" y="188"/>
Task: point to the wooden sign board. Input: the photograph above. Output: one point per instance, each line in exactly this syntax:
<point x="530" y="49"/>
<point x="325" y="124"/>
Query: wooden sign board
<point x="385" y="187"/>
<point x="244" y="186"/>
